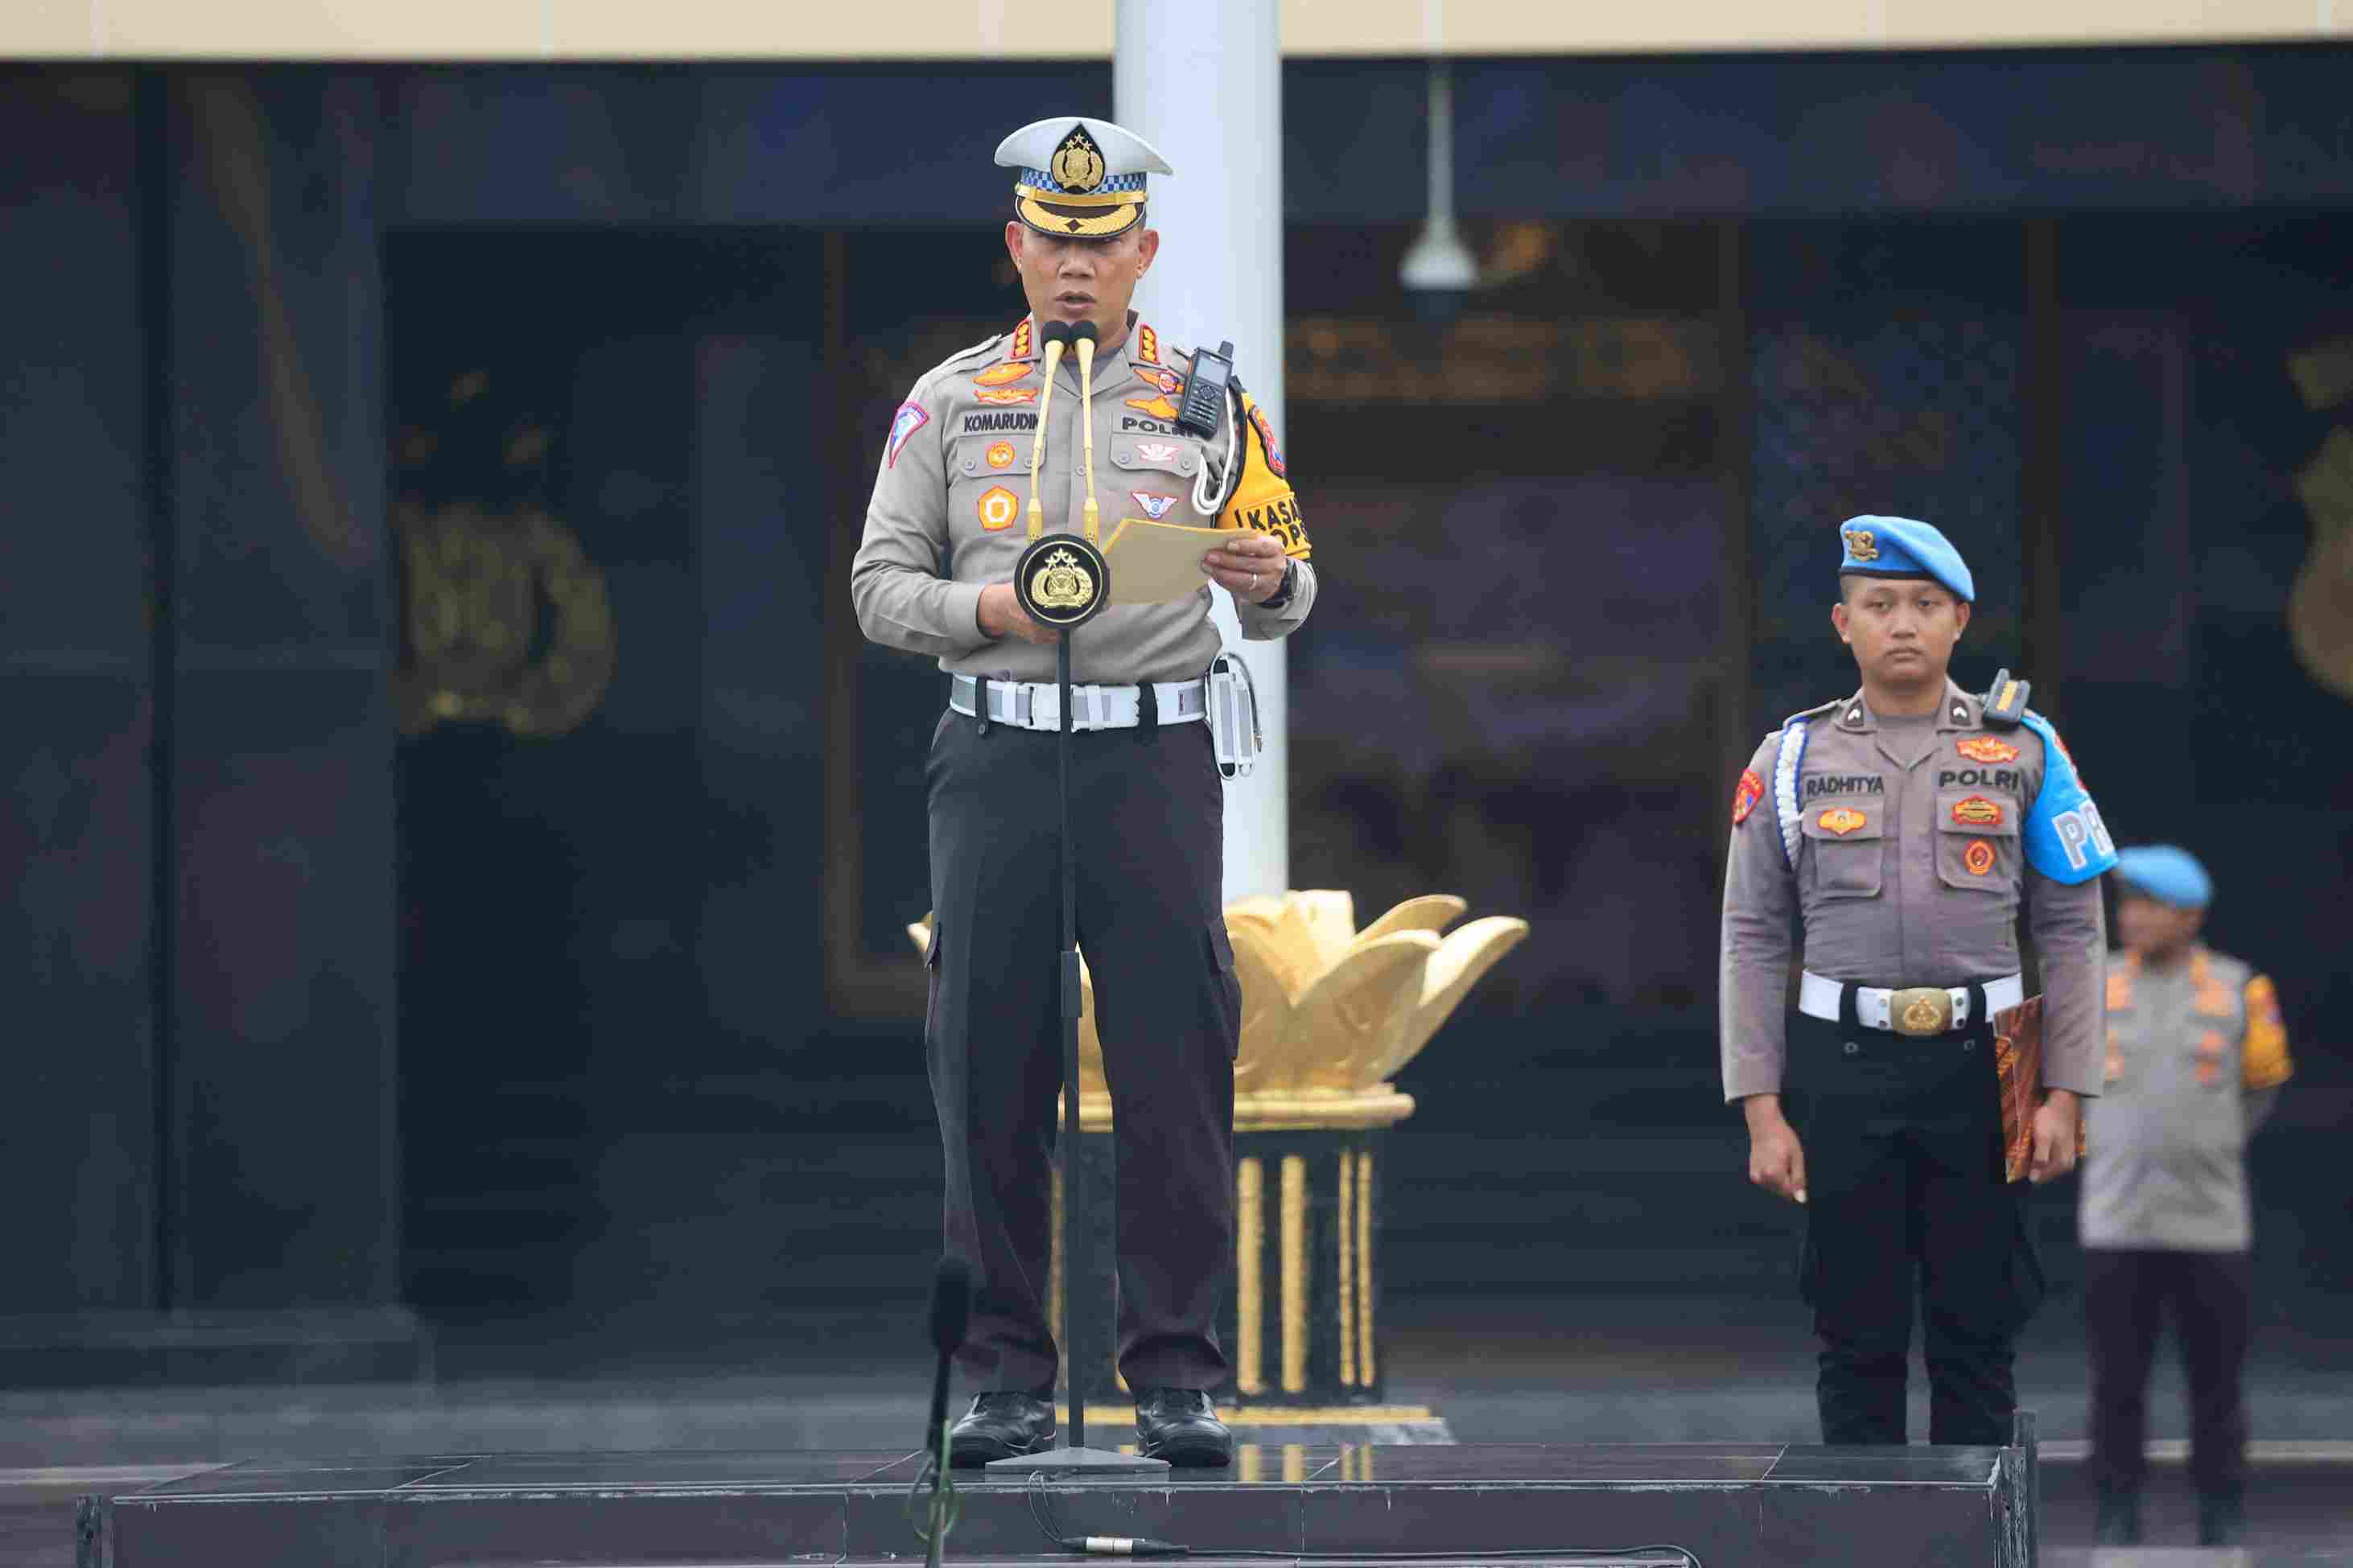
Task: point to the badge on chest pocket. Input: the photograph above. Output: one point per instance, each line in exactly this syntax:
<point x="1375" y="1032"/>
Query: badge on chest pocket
<point x="1977" y="840"/>
<point x="1844" y="838"/>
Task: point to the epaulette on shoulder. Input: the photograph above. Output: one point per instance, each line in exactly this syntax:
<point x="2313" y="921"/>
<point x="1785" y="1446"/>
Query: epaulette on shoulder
<point x="2005" y="701"/>
<point x="1816" y="711"/>
<point x="980" y="350"/>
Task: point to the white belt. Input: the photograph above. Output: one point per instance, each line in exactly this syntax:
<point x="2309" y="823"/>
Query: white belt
<point x="1038" y="704"/>
<point x="1921" y="1010"/>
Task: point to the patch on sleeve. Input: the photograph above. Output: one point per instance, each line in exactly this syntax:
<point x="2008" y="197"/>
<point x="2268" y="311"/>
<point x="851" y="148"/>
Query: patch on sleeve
<point x="909" y="418"/>
<point x="1265" y="429"/>
<point x="2263" y="1060"/>
<point x="2065" y="839"/>
<point x="1745" y="795"/>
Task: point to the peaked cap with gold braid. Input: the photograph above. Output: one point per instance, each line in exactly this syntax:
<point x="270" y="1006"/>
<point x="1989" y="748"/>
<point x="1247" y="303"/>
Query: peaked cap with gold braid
<point x="1081" y="179"/>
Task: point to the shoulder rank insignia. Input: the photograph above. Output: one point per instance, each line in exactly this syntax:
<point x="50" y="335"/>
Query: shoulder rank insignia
<point x="2005" y="701"/>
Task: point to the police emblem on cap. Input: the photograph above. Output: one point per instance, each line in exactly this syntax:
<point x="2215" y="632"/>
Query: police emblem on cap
<point x="1080" y="179"/>
<point x="1861" y="545"/>
<point x="1078" y="162"/>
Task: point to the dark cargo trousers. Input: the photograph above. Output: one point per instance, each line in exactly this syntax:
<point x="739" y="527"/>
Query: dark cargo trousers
<point x="1148" y="815"/>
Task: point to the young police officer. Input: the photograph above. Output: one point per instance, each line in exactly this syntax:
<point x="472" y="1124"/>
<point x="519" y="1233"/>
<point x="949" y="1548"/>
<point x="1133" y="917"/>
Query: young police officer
<point x="1904" y="823"/>
<point x="2196" y="1056"/>
<point x="933" y="574"/>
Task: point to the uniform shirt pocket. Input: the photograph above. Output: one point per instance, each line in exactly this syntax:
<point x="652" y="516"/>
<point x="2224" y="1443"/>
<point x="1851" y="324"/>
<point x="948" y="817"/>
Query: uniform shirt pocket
<point x="1845" y="836"/>
<point x="988" y="482"/>
<point x="1977" y="840"/>
<point x="1170" y="457"/>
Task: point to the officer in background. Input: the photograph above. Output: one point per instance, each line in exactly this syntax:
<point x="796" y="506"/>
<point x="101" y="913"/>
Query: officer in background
<point x="1904" y="823"/>
<point x="2196" y="1056"/>
<point x="946" y="524"/>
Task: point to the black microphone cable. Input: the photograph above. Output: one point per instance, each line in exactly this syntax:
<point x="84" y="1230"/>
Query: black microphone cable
<point x="1660" y="1555"/>
<point x="932" y="1503"/>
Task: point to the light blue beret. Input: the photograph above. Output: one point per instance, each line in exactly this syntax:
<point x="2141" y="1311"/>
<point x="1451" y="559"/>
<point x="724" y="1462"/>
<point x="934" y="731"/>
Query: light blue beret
<point x="2168" y="874"/>
<point x="1901" y="547"/>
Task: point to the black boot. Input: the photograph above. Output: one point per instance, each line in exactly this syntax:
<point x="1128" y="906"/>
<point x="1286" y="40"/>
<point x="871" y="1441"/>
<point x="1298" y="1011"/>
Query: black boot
<point x="1001" y="1426"/>
<point x="1180" y="1425"/>
<point x="2119" y="1520"/>
<point x="2221" y="1520"/>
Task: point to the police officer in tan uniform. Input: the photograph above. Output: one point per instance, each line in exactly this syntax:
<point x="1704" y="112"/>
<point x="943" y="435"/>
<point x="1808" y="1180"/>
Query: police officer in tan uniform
<point x="963" y="484"/>
<point x="1904" y="826"/>
<point x="2197" y="1053"/>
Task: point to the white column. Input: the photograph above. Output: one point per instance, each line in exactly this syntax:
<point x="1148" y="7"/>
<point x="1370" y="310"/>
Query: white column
<point x="1202" y="80"/>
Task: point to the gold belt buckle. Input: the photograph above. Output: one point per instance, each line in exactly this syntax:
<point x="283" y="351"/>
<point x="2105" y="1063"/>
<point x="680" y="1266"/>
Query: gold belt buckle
<point x="1922" y="1010"/>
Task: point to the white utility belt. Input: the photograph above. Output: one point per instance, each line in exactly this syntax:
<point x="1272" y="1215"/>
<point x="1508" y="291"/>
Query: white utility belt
<point x="1919" y="1010"/>
<point x="1038" y="704"/>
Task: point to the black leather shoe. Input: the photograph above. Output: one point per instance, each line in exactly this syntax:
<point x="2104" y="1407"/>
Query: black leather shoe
<point x="2221" y="1520"/>
<point x="1001" y="1426"/>
<point x="1180" y="1425"/>
<point x="2119" y="1520"/>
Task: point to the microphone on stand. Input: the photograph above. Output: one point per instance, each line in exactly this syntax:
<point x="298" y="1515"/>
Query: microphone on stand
<point x="1056" y="337"/>
<point x="951" y="1314"/>
<point x="1083" y="343"/>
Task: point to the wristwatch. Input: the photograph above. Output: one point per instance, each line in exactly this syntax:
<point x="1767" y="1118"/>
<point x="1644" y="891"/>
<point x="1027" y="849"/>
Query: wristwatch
<point x="1282" y="595"/>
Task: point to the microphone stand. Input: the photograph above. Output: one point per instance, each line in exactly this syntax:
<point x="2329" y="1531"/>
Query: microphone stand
<point x="1074" y="1458"/>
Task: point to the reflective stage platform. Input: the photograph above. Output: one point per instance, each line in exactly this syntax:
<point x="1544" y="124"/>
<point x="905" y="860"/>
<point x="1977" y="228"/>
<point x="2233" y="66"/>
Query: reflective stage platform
<point x="1721" y="1505"/>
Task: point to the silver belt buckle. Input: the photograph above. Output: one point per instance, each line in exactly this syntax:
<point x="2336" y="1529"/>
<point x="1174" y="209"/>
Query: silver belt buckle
<point x="1919" y="1011"/>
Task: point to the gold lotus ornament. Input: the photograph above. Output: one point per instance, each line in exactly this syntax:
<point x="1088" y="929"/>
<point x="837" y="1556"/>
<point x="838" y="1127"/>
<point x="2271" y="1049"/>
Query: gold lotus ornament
<point x="1329" y="1013"/>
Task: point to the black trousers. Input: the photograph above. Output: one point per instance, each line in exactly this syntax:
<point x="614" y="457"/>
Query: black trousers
<point x="2126" y="1296"/>
<point x="1906" y="1196"/>
<point x="1148" y="815"/>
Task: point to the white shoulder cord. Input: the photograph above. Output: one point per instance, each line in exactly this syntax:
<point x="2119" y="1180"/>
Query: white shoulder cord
<point x="1785" y="788"/>
<point x="1229" y="478"/>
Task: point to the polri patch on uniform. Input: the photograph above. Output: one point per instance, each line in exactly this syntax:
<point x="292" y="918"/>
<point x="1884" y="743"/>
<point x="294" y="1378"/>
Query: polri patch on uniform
<point x="1168" y="380"/>
<point x="1842" y="820"/>
<point x="1006" y="395"/>
<point x="1976" y="811"/>
<point x="1156" y="451"/>
<point x="1986" y="749"/>
<point x="1745" y="795"/>
<point x="1156" y="506"/>
<point x="1000" y="454"/>
<point x="1979" y="857"/>
<point x="1158" y="407"/>
<point x="909" y="418"/>
<point x="1001" y="374"/>
<point x="998" y="508"/>
<point x="1265" y="428"/>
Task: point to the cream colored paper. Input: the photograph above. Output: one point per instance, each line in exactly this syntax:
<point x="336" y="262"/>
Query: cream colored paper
<point x="1151" y="563"/>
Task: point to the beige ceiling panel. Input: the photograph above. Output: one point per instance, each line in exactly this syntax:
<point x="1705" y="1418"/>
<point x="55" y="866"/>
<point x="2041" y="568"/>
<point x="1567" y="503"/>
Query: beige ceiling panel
<point x="326" y="29"/>
<point x="900" y="30"/>
<point x="45" y="30"/>
<point x="1942" y="23"/>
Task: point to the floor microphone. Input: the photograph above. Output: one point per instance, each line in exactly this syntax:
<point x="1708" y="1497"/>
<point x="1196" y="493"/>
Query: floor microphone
<point x="951" y="1313"/>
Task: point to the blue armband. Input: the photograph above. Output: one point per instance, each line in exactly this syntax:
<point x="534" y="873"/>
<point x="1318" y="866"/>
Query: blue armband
<point x="2065" y="839"/>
